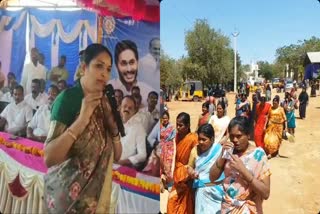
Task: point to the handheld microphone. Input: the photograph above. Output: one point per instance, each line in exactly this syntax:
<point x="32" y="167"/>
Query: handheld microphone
<point x="109" y="91"/>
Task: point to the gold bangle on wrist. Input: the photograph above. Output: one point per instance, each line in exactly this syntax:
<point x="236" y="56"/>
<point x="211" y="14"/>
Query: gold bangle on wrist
<point x="117" y="135"/>
<point x="71" y="134"/>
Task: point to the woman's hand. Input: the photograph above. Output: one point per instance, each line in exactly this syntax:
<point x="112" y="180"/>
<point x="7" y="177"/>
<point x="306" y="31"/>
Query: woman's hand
<point x="89" y="104"/>
<point x="163" y="185"/>
<point x="111" y="122"/>
<point x="227" y="145"/>
<point x="192" y="173"/>
<point x="237" y="164"/>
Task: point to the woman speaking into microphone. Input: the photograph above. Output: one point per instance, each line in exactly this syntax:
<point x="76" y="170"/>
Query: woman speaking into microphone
<point x="83" y="141"/>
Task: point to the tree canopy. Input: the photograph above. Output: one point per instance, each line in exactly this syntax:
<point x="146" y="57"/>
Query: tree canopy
<point x="210" y="57"/>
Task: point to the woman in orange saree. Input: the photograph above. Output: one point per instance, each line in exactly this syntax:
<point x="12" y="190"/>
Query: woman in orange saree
<point x="276" y="122"/>
<point x="261" y="119"/>
<point x="181" y="197"/>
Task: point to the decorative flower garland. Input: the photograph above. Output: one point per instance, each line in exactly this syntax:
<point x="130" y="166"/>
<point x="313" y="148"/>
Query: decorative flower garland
<point x="154" y="188"/>
<point x="26" y="149"/>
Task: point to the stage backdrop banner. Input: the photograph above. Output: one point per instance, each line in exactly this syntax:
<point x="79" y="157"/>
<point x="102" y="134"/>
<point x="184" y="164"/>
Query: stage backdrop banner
<point x="142" y="34"/>
<point x="57" y="33"/>
<point x="12" y="43"/>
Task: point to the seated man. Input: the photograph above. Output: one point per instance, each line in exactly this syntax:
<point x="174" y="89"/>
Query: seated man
<point x="16" y="115"/>
<point x="62" y="84"/>
<point x="36" y="99"/>
<point x="118" y="95"/>
<point x="140" y="117"/>
<point x="38" y="127"/>
<point x="11" y="77"/>
<point x="59" y="72"/>
<point x="8" y="96"/>
<point x="151" y="109"/>
<point x="134" y="143"/>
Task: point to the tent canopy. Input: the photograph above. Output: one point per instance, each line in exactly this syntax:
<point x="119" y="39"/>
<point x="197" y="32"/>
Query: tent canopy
<point x="144" y="10"/>
<point x="312" y="58"/>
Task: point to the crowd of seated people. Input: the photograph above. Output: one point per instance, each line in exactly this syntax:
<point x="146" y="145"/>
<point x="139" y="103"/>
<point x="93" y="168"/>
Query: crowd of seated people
<point x="140" y="145"/>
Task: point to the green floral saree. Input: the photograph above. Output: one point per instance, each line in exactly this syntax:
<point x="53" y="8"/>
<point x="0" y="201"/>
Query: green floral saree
<point x="82" y="183"/>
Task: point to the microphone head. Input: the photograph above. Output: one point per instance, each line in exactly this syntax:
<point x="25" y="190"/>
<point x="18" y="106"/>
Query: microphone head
<point x="109" y="87"/>
<point x="108" y="90"/>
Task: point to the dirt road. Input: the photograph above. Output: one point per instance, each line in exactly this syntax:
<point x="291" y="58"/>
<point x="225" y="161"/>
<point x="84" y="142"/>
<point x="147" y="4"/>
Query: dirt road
<point x="295" y="183"/>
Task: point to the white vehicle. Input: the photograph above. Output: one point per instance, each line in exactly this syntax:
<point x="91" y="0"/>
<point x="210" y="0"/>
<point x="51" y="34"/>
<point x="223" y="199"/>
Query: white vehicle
<point x="289" y="85"/>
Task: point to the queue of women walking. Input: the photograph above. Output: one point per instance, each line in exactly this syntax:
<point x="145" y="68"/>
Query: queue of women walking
<point x="223" y="166"/>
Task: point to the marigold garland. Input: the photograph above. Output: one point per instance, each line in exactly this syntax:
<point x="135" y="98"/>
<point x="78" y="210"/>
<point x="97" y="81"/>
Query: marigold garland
<point x="154" y="188"/>
<point x="26" y="149"/>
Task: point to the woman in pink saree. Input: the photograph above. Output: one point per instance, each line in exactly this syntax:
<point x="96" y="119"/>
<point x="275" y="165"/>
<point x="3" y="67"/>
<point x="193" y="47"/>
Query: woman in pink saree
<point x="247" y="172"/>
<point x="167" y="145"/>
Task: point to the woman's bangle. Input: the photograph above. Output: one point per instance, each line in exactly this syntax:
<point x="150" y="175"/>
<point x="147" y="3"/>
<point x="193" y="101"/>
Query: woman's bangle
<point x="71" y="134"/>
<point x="116" y="139"/>
<point x="117" y="135"/>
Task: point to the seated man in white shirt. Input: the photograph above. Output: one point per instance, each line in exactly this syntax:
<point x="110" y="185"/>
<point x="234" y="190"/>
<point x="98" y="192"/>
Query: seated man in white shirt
<point x="141" y="117"/>
<point x="8" y="96"/>
<point x="38" y="127"/>
<point x="36" y="99"/>
<point x="16" y="115"/>
<point x="134" y="143"/>
<point x="151" y="109"/>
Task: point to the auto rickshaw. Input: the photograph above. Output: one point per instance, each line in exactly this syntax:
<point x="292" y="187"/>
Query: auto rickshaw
<point x="191" y="90"/>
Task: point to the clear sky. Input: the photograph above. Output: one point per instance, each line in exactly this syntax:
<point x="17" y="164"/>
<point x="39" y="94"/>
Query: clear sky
<point x="264" y="25"/>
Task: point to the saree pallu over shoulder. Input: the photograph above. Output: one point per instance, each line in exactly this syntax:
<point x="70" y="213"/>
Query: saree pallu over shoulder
<point x="75" y="186"/>
<point x="168" y="150"/>
<point x="239" y="197"/>
<point x="181" y="198"/>
<point x="208" y="198"/>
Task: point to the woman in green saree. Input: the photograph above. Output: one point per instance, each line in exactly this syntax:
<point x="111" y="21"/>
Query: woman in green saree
<point x="82" y="142"/>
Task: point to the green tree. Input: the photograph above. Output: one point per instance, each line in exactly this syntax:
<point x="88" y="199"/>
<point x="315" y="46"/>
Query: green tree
<point x="294" y="55"/>
<point x="265" y="69"/>
<point x="170" y="71"/>
<point x="209" y="55"/>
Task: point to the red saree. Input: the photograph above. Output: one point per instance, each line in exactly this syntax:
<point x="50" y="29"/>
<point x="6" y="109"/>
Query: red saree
<point x="181" y="198"/>
<point x="204" y="119"/>
<point x="261" y="119"/>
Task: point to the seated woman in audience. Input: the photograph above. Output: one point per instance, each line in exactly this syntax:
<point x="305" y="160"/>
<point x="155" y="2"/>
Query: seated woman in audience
<point x="209" y="194"/>
<point x="38" y="127"/>
<point x="16" y="116"/>
<point x="181" y="197"/>
<point x="246" y="170"/>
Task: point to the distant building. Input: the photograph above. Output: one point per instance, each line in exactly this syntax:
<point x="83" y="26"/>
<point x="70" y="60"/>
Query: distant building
<point x="252" y="74"/>
<point x="311" y="65"/>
